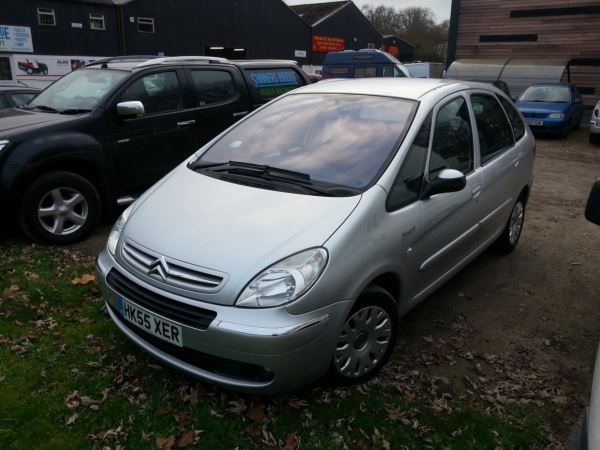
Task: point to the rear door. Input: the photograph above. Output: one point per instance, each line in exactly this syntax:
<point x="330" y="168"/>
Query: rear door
<point x="219" y="99"/>
<point x="147" y="147"/>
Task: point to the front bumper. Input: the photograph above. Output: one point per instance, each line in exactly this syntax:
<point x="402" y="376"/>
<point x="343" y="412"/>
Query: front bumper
<point x="545" y="125"/>
<point x="595" y="126"/>
<point x="263" y="351"/>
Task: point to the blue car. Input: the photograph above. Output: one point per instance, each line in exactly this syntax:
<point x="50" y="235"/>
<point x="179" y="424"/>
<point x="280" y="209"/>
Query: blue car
<point x="551" y="108"/>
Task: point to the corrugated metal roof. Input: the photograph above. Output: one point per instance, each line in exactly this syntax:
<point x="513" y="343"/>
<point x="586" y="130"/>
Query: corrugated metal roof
<point x="314" y="13"/>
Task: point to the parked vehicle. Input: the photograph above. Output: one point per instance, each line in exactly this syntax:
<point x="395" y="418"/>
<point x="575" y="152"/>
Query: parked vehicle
<point x="551" y="108"/>
<point x="290" y="245"/>
<point x="425" y="69"/>
<point x="366" y="63"/>
<point x="33" y="68"/>
<point x="16" y="96"/>
<point x="595" y="125"/>
<point x="104" y="133"/>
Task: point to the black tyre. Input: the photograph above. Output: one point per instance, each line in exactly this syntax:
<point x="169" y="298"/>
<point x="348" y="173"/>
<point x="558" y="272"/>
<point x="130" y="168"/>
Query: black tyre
<point x="59" y="208"/>
<point x="509" y="238"/>
<point x="366" y="339"/>
<point x="594" y="139"/>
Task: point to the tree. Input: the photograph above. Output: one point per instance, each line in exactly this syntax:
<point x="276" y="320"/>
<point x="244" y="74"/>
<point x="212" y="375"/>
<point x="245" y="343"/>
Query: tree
<point x="416" y="25"/>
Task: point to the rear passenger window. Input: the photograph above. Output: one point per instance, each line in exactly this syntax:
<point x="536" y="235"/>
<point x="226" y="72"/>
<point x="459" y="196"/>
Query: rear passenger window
<point x="495" y="134"/>
<point x="21" y="98"/>
<point x="452" y="146"/>
<point x="407" y="186"/>
<point x="158" y="92"/>
<point x="365" y="72"/>
<point x="213" y="86"/>
<point x="271" y="83"/>
<point x="515" y="119"/>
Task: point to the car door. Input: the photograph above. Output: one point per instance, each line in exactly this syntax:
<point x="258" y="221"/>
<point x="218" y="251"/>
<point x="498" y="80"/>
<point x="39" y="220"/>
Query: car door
<point x="500" y="159"/>
<point x="219" y="100"/>
<point x="148" y="146"/>
<point x="450" y="220"/>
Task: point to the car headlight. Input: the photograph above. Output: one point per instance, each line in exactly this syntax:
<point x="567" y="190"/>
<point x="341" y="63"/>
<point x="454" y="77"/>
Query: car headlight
<point x="113" y="237"/>
<point x="3" y="144"/>
<point x="556" y="116"/>
<point x="285" y="280"/>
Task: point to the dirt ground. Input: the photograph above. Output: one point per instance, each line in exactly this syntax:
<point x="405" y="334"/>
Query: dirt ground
<point x="520" y="329"/>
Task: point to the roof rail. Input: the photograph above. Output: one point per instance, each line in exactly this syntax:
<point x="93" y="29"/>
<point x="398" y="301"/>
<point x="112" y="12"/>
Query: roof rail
<point x="168" y="59"/>
<point x="124" y="58"/>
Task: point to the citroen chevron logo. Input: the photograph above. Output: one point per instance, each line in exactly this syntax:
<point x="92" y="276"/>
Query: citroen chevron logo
<point x="159" y="267"/>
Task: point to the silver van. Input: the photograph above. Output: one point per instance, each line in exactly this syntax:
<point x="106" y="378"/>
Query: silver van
<point x="288" y="247"/>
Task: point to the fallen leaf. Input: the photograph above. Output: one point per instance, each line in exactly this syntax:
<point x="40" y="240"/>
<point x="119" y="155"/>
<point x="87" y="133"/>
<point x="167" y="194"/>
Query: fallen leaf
<point x="84" y="279"/>
<point x="256" y="413"/>
<point x="71" y="420"/>
<point x="73" y="400"/>
<point x="186" y="439"/>
<point x="291" y="442"/>
<point x="165" y="443"/>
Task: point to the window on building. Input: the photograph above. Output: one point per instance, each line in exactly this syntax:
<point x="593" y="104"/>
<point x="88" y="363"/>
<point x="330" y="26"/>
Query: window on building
<point x="145" y="24"/>
<point x="97" y="22"/>
<point x="493" y="129"/>
<point x="213" y="86"/>
<point x="46" y="17"/>
<point x="452" y="146"/>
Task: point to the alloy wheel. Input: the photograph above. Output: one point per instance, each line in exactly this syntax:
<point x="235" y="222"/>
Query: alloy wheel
<point x="62" y="211"/>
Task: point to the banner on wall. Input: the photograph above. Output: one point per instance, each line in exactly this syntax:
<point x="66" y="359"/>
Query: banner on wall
<point x="15" y="39"/>
<point x="328" y="44"/>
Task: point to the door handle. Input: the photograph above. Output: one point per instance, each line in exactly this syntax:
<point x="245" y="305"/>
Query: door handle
<point x="185" y="123"/>
<point x="516" y="161"/>
<point x="240" y="114"/>
<point x="476" y="191"/>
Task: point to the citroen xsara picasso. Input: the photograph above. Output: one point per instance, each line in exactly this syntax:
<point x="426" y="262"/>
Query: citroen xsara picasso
<point x="289" y="246"/>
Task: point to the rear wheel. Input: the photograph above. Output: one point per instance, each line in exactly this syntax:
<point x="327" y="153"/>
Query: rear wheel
<point x="59" y="208"/>
<point x="366" y="339"/>
<point x="594" y="139"/>
<point x="509" y="238"/>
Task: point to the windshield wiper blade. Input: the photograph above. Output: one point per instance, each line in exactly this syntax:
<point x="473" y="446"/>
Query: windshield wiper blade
<point x="75" y="110"/>
<point x="200" y="164"/>
<point x="271" y="170"/>
<point x="44" y="108"/>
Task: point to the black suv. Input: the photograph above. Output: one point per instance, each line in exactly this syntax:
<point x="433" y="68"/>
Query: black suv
<point x="101" y="135"/>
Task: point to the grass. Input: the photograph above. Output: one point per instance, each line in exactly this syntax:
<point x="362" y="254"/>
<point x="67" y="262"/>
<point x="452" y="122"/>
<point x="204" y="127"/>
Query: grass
<point x="58" y="347"/>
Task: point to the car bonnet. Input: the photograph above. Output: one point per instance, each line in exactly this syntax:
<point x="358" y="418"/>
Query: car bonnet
<point x="232" y="229"/>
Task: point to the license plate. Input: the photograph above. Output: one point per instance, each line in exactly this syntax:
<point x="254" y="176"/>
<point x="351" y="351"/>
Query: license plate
<point x="536" y="123"/>
<point x="155" y="325"/>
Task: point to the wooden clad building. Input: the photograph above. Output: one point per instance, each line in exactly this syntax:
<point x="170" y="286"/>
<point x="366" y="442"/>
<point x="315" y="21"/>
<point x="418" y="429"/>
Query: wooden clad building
<point x="531" y="29"/>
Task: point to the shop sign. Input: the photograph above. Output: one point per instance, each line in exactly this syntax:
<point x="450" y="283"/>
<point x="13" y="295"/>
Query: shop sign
<point x="15" y="39"/>
<point x="328" y="44"/>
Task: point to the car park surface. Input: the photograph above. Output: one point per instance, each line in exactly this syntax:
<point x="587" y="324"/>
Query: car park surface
<point x="551" y="108"/>
<point x="101" y="135"/>
<point x="332" y="283"/>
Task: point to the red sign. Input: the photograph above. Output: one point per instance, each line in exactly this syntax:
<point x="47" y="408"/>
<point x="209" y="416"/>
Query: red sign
<point x="393" y="50"/>
<point x="328" y="44"/>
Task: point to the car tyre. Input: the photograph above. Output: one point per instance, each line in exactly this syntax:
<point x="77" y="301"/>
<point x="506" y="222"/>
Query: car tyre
<point x="594" y="139"/>
<point x="59" y="208"/>
<point x="511" y="234"/>
<point x="366" y="339"/>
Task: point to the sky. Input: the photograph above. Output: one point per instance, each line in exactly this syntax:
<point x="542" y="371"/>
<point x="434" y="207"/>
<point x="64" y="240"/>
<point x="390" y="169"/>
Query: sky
<point x="441" y="8"/>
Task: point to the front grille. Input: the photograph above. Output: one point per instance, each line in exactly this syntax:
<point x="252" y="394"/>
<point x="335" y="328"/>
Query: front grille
<point x="535" y="115"/>
<point x="171" y="309"/>
<point x="169" y="271"/>
<point x="214" y="364"/>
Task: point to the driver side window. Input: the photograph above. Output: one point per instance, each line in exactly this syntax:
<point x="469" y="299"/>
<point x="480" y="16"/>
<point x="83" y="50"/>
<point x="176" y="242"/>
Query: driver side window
<point x="158" y="92"/>
<point x="452" y="145"/>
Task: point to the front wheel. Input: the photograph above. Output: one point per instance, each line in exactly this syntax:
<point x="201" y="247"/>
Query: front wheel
<point x="366" y="339"/>
<point x="59" y="208"/>
<point x="509" y="238"/>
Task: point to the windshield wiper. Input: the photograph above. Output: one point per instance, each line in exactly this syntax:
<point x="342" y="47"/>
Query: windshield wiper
<point x="44" y="108"/>
<point x="75" y="111"/>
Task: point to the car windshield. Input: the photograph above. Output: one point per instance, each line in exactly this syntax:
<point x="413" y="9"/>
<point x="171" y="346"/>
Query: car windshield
<point x="334" y="138"/>
<point x="550" y="94"/>
<point x="79" y="90"/>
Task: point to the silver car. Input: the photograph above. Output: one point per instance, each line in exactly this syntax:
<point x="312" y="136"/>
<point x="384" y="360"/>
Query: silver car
<point x="289" y="246"/>
<point x="595" y="125"/>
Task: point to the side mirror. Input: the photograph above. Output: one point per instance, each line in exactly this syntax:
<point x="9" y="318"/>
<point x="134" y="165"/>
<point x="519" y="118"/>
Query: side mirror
<point x="130" y="109"/>
<point x="592" y="209"/>
<point x="448" y="180"/>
